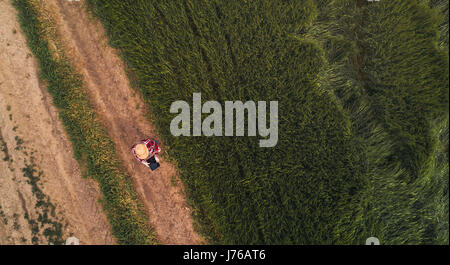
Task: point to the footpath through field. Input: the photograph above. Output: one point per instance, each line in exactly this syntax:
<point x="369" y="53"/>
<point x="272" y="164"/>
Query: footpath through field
<point x="123" y="113"/>
<point x="30" y="131"/>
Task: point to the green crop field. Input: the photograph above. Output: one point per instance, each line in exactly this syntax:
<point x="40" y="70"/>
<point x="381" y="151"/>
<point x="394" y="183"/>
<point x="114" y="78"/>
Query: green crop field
<point x="363" y="113"/>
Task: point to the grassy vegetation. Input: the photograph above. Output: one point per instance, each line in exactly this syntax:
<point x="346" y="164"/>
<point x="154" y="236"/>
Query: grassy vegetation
<point x="91" y="144"/>
<point x="441" y="7"/>
<point x="45" y="210"/>
<point x="3" y="216"/>
<point x="363" y="95"/>
<point x="294" y="193"/>
<point x="388" y="73"/>
<point x="442" y="199"/>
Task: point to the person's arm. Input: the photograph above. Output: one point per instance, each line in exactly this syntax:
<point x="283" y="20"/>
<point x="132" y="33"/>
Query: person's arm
<point x="145" y="163"/>
<point x="133" y="151"/>
<point x="155" y="149"/>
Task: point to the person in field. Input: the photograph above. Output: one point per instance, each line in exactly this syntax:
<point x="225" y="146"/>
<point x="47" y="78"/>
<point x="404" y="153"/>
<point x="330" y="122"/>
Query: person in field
<point x="147" y="153"/>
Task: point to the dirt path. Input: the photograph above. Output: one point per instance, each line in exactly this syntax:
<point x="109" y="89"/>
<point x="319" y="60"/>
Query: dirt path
<point x="123" y="113"/>
<point x="29" y="127"/>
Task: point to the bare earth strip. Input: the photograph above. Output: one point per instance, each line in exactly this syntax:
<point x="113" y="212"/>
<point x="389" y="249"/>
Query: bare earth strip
<point x="29" y="123"/>
<point x="122" y="112"/>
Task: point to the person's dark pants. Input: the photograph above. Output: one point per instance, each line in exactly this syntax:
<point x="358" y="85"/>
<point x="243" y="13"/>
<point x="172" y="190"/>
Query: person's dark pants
<point x="152" y="163"/>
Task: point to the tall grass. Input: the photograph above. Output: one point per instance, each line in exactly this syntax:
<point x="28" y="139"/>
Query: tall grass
<point x="386" y="70"/>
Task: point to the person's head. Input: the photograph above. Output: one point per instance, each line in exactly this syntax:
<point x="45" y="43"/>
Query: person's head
<point x="141" y="151"/>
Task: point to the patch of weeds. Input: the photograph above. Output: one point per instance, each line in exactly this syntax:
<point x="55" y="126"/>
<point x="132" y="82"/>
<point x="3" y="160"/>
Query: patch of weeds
<point x="19" y="142"/>
<point x="45" y="210"/>
<point x="16" y="225"/>
<point x="4" y="148"/>
<point x="3" y="216"/>
<point x="35" y="240"/>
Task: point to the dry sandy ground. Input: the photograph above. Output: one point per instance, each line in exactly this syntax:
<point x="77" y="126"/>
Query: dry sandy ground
<point x="29" y="127"/>
<point x="123" y="113"/>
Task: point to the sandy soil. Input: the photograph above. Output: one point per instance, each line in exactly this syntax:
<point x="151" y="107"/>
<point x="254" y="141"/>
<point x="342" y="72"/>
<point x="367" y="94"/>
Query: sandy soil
<point x="29" y="127"/>
<point x="122" y="112"/>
